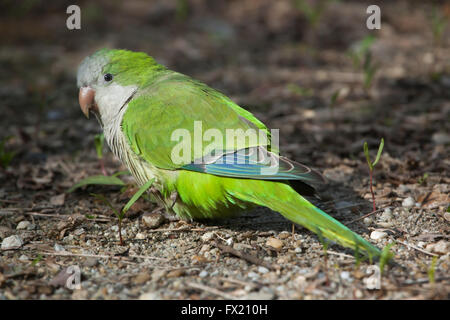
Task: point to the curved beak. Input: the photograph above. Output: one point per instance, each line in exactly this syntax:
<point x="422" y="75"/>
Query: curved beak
<point x="86" y="100"/>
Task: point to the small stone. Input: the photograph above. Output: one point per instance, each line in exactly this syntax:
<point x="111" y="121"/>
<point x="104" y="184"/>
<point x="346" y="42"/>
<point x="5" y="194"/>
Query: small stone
<point x="12" y="242"/>
<point x="80" y="294"/>
<point x="408" y="202"/>
<point x="284" y="235"/>
<point x="158" y="274"/>
<point x="142" y="278"/>
<point x="31" y="226"/>
<point x="403" y="188"/>
<point x="447" y="216"/>
<point x="205" y="248"/>
<point x="358" y="294"/>
<point x="149" y="296"/>
<point x="175" y="273"/>
<point x="274" y="243"/>
<point x="153" y="220"/>
<point x="421" y="244"/>
<point x="298" y="250"/>
<point x="58" y="200"/>
<point x="140" y="236"/>
<point x="367" y="221"/>
<point x="203" y="274"/>
<point x="78" y="231"/>
<point x="262" y="269"/>
<point x="387" y="214"/>
<point x="441" y="247"/>
<point x="441" y="138"/>
<point x="378" y="235"/>
<point x="90" y="262"/>
<point x="23" y="258"/>
<point x="23" y="225"/>
<point x="299" y="281"/>
<point x="59" y="248"/>
<point x="345" y="275"/>
<point x="253" y="275"/>
<point x="260" y="296"/>
<point x="207" y="236"/>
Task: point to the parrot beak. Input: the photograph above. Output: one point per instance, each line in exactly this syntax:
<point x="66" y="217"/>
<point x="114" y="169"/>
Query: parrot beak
<point x="86" y="100"/>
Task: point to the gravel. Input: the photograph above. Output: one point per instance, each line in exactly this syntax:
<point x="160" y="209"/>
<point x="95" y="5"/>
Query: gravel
<point x="12" y="242"/>
<point x="378" y="235"/>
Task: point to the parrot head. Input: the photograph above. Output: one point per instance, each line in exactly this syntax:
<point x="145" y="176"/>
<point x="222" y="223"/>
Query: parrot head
<point x="109" y="78"/>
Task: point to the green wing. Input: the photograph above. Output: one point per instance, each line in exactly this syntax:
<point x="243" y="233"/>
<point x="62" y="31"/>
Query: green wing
<point x="176" y="101"/>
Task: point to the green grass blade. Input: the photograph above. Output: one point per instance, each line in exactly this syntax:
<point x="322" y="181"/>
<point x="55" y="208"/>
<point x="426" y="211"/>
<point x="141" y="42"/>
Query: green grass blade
<point x="386" y="256"/>
<point x="137" y="195"/>
<point x="121" y="173"/>
<point x="97" y="180"/>
<point x="366" y="152"/>
<point x="99" y="142"/>
<point x="380" y="149"/>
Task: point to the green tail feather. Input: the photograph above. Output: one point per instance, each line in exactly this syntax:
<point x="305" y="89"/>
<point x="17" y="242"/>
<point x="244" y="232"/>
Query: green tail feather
<point x="298" y="210"/>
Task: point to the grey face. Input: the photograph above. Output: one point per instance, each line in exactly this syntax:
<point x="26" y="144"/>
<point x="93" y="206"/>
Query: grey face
<point x="90" y="71"/>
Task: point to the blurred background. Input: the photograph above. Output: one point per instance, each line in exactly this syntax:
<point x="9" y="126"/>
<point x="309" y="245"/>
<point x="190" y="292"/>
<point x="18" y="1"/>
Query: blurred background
<point x="303" y="66"/>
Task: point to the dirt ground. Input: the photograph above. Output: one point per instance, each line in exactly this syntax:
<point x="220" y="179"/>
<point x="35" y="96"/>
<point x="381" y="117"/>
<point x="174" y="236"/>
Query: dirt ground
<point x="283" y="65"/>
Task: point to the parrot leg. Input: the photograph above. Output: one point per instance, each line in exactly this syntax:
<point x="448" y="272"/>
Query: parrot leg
<point x="174" y="198"/>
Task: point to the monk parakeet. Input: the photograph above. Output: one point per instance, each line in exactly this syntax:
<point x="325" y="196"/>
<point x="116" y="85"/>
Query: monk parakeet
<point x="146" y="110"/>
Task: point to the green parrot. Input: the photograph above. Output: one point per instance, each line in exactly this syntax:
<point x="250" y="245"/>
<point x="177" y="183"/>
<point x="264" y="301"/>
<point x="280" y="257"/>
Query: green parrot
<point x="141" y="105"/>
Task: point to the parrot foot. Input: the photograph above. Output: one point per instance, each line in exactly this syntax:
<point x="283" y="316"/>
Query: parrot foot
<point x="171" y="217"/>
<point x="173" y="197"/>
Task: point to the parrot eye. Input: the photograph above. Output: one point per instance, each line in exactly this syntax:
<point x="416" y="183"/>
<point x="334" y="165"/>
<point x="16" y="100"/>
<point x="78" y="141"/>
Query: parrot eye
<point x="108" y="77"/>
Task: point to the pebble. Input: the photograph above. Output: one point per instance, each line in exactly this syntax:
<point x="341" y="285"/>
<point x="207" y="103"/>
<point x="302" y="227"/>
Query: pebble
<point x="253" y="275"/>
<point x="377" y="235"/>
<point x="203" y="274"/>
<point x="79" y="231"/>
<point x="440" y="247"/>
<point x="12" y="242"/>
<point x="59" y="248"/>
<point x="207" y="236"/>
<point x="345" y="275"/>
<point x="274" y="243"/>
<point x="149" y="296"/>
<point x="23" y="258"/>
<point x="441" y="138"/>
<point x="447" y="216"/>
<point x="262" y="269"/>
<point x="421" y="244"/>
<point x="153" y="220"/>
<point x="142" y="278"/>
<point x="408" y="202"/>
<point x="90" y="262"/>
<point x="175" y="273"/>
<point x="367" y="221"/>
<point x="284" y="235"/>
<point x="385" y="224"/>
<point x="23" y="225"/>
<point x="140" y="236"/>
<point x="261" y="295"/>
<point x="387" y="214"/>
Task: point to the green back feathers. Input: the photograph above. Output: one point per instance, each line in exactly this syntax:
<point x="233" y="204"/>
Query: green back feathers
<point x="172" y="102"/>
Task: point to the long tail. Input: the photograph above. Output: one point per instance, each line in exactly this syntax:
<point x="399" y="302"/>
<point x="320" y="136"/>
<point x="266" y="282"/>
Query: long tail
<point x="282" y="198"/>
